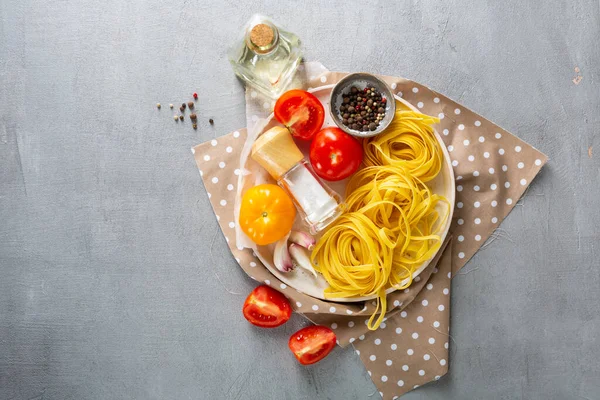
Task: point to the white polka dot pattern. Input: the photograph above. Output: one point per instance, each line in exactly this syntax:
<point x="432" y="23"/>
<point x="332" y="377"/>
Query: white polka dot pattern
<point x="484" y="157"/>
<point x="477" y="145"/>
<point x="411" y="356"/>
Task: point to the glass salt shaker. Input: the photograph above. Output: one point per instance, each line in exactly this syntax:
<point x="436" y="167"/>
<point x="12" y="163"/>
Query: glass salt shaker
<point x="276" y="151"/>
<point x="266" y="57"/>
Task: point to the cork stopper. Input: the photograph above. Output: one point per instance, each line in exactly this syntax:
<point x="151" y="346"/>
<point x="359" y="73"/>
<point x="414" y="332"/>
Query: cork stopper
<point x="276" y="151"/>
<point x="262" y="35"/>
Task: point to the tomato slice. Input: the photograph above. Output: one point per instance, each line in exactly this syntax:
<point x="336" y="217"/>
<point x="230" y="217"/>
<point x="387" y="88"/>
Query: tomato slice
<point x="301" y="112"/>
<point x="266" y="307"/>
<point x="312" y="344"/>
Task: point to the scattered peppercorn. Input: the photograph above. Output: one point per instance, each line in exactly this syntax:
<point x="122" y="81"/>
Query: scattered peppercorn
<point x="176" y="118"/>
<point x="360" y="114"/>
<point x="195" y="126"/>
<point x="183" y="105"/>
<point x="193" y="117"/>
<point x="190" y="105"/>
<point x="181" y="108"/>
<point x="170" y="105"/>
<point x="158" y="105"/>
<point x="195" y="96"/>
<point x="181" y="117"/>
<point x="210" y="121"/>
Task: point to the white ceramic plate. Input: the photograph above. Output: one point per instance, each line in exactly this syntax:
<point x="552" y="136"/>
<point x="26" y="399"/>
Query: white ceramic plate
<point x="302" y="280"/>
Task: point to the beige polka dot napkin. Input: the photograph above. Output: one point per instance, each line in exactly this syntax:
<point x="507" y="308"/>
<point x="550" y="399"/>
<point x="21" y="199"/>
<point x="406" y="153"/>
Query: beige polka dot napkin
<point x="492" y="168"/>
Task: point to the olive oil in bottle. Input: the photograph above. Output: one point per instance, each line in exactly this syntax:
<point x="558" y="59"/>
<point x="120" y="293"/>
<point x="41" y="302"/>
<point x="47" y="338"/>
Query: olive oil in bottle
<point x="266" y="57"/>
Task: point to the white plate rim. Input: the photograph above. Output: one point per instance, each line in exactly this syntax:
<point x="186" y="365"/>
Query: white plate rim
<point x="289" y="282"/>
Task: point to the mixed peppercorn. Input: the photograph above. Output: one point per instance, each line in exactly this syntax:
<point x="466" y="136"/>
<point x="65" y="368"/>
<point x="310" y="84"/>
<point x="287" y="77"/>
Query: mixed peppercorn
<point x="362" y="110"/>
<point x="190" y="105"/>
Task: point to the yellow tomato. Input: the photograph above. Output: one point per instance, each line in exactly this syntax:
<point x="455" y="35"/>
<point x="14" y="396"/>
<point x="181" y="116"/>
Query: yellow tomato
<point x="267" y="213"/>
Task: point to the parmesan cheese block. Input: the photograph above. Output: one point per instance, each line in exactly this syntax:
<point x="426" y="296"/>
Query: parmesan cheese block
<point x="276" y="151"/>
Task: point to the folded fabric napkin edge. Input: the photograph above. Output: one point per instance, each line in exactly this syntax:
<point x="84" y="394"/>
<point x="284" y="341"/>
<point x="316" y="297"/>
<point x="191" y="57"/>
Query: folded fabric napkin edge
<point x="450" y="139"/>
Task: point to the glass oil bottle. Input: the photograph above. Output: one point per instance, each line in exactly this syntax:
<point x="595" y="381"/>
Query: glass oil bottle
<point x="266" y="57"/>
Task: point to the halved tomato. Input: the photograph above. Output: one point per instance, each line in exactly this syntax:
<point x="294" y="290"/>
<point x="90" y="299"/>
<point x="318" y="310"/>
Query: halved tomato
<point x="301" y="112"/>
<point x="266" y="307"/>
<point x="312" y="344"/>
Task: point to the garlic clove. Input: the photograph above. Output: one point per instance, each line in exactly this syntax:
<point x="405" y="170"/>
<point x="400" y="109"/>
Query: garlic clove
<point x="300" y="256"/>
<point x="303" y="239"/>
<point x="281" y="256"/>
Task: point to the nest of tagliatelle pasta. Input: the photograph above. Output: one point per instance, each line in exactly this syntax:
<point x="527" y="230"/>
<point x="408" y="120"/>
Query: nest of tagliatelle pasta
<point x="391" y="225"/>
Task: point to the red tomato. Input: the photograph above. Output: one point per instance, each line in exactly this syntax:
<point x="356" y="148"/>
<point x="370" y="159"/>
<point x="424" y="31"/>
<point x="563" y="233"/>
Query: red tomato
<point x="266" y="307"/>
<point x="335" y="155"/>
<point x="312" y="344"/>
<point x="301" y="112"/>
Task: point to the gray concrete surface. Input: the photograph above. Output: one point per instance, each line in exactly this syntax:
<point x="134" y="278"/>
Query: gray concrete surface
<point x="109" y="249"/>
